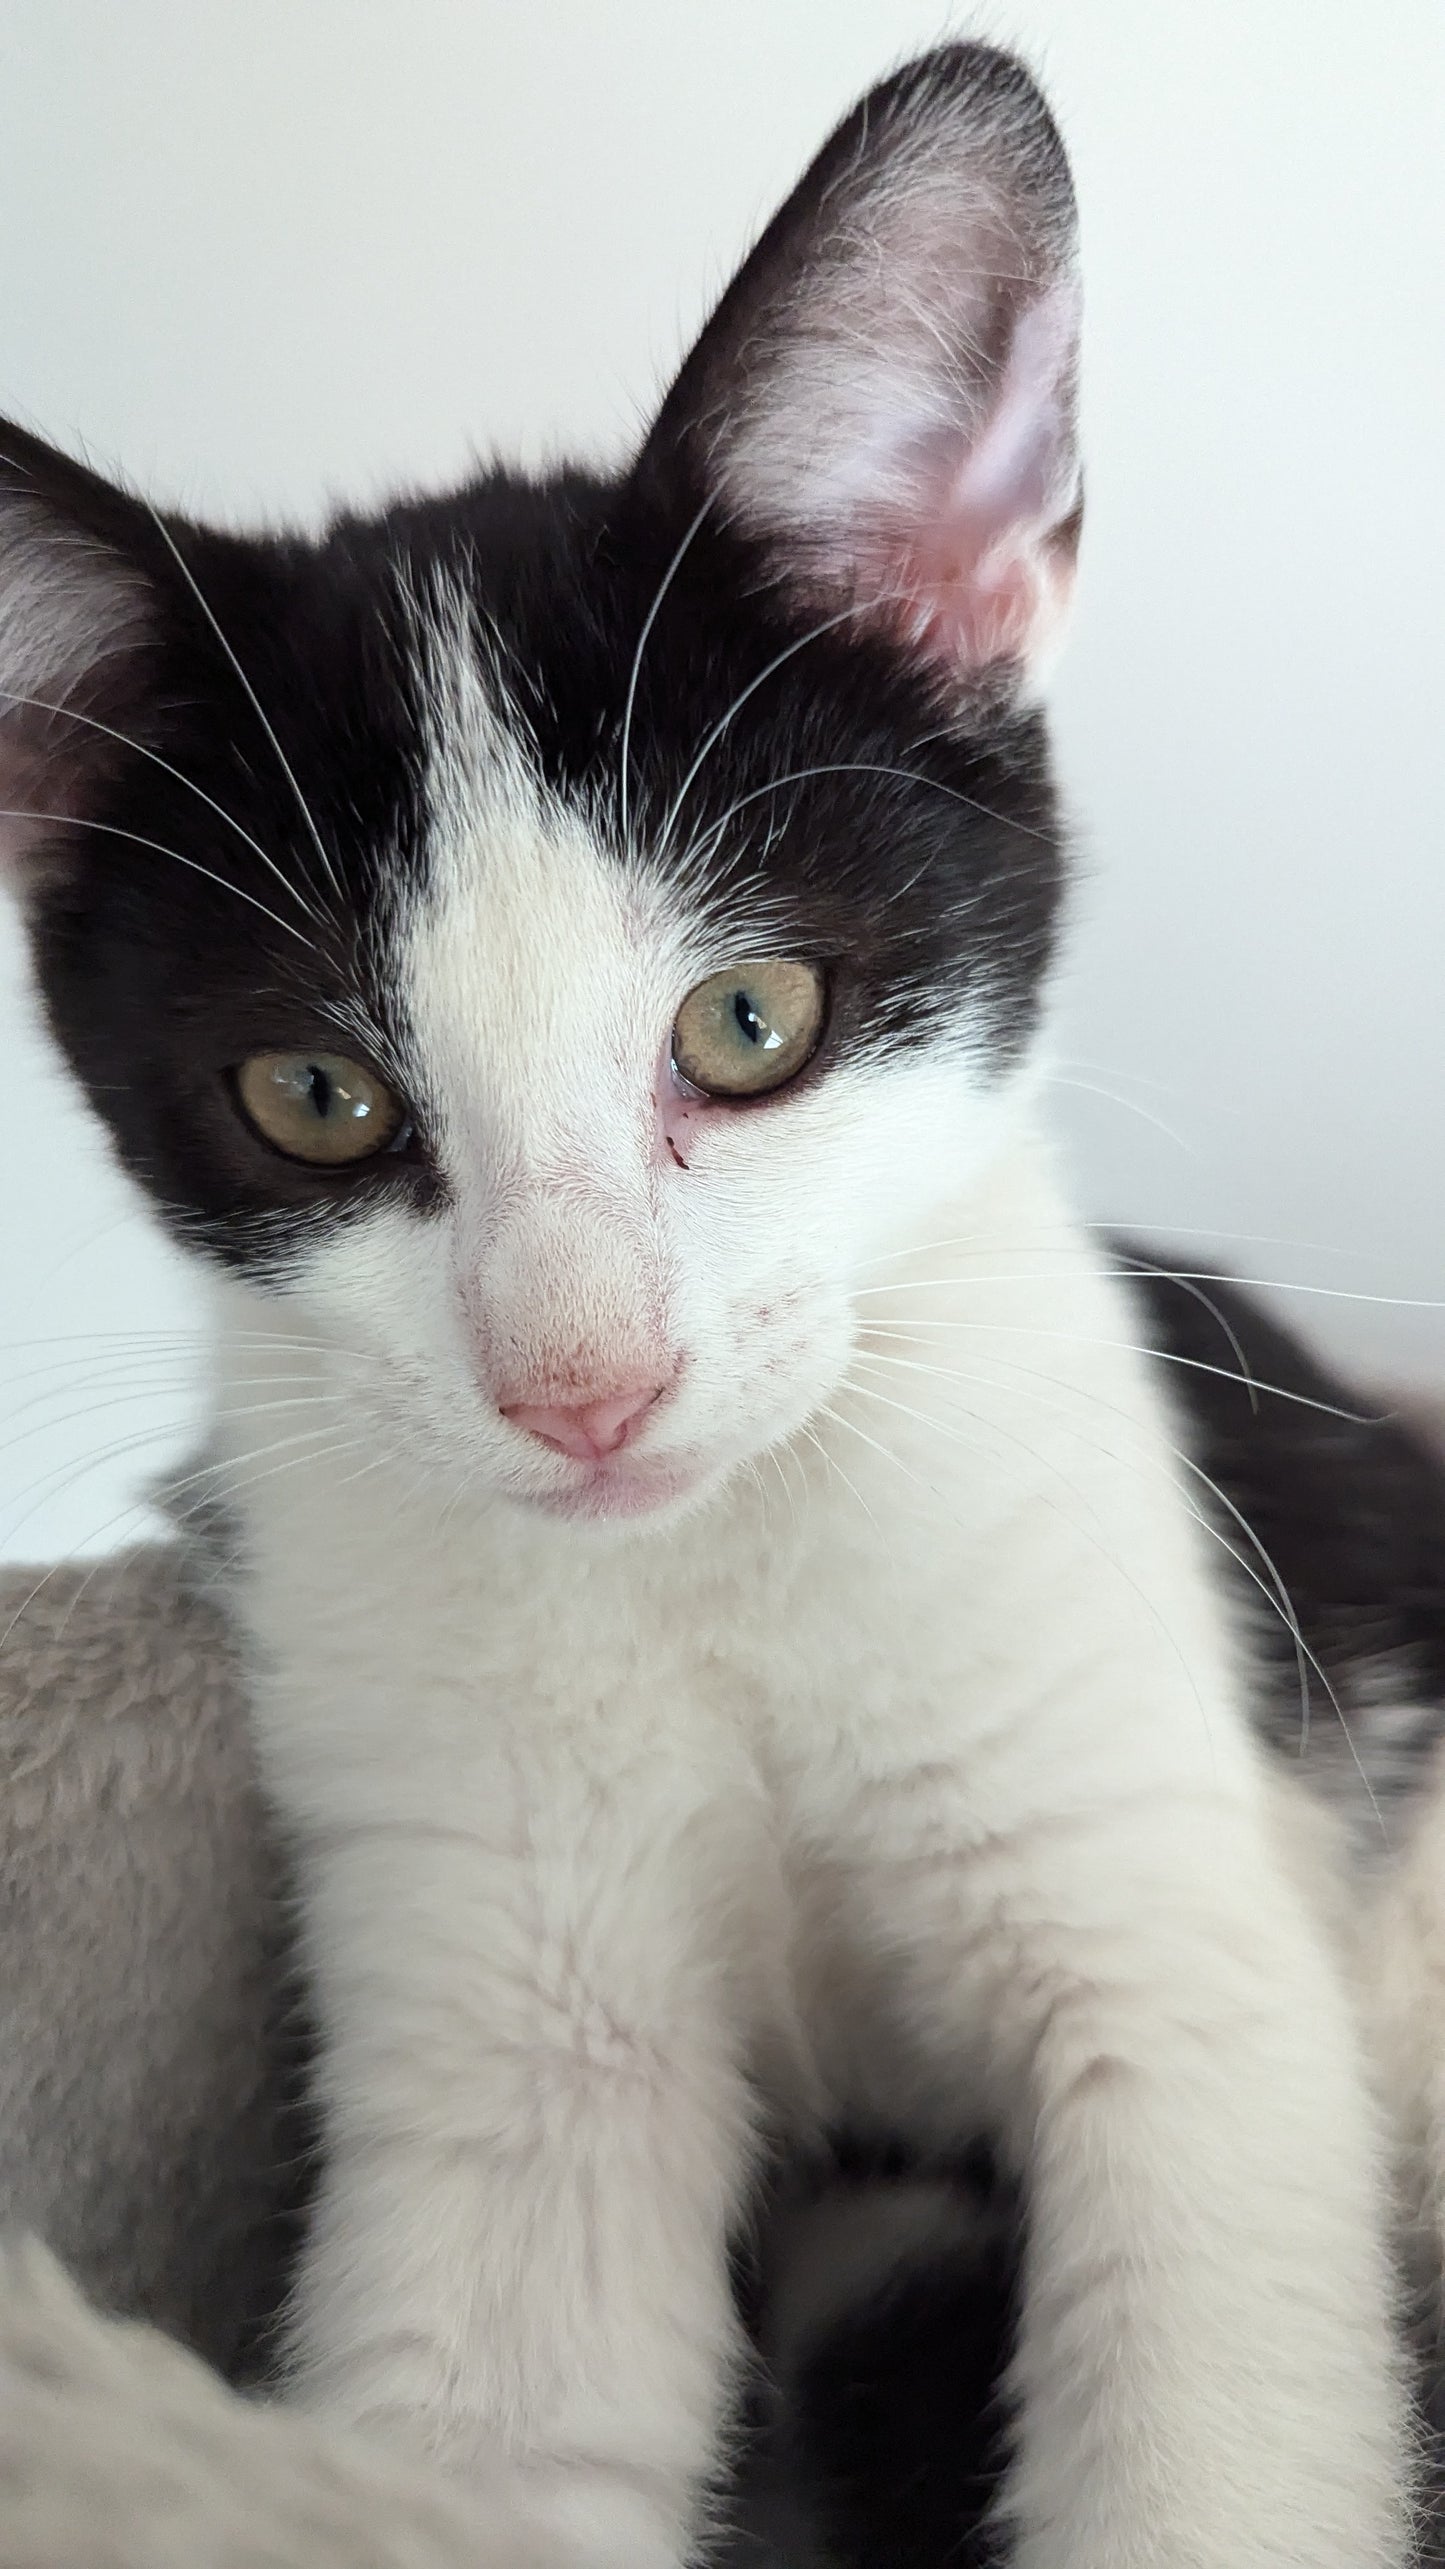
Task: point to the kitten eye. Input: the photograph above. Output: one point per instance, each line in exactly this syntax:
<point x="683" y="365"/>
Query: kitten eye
<point x="742" y="1032"/>
<point x="318" y="1107"/>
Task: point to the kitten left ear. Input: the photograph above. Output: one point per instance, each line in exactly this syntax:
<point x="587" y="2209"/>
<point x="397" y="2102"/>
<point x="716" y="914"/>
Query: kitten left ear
<point x="885" y="399"/>
<point x="78" y="617"/>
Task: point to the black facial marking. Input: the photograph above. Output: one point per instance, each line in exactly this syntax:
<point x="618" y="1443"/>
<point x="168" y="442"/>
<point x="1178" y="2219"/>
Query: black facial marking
<point x="920" y="866"/>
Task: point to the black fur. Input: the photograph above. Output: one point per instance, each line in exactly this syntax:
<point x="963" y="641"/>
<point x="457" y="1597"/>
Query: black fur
<point x="1345" y="1509"/>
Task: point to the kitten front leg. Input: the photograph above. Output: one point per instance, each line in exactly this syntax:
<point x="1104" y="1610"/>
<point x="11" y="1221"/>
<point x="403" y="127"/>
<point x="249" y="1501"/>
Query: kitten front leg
<point x="1207" y="2374"/>
<point x="537" y="2138"/>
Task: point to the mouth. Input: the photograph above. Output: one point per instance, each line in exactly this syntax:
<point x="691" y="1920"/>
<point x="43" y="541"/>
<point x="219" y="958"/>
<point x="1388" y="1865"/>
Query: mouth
<point x="617" y="1487"/>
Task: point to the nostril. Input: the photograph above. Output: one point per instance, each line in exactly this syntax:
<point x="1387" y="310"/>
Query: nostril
<point x="588" y="1430"/>
<point x="609" y="1423"/>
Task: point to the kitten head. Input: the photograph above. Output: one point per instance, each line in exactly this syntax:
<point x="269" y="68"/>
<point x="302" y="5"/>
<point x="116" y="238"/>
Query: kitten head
<point x="550" y="939"/>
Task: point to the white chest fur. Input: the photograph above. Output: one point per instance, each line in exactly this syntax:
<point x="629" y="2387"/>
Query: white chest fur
<point x="960" y="1608"/>
<point x="915" y="1779"/>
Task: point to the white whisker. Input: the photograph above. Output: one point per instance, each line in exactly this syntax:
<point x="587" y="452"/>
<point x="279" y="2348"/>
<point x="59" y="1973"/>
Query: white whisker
<point x="870" y="767"/>
<point x="139" y="748"/>
<point x="832" y="1464"/>
<point x="283" y="762"/>
<point x="725" y="721"/>
<point x="1276" y="1592"/>
<point x="1247" y="1381"/>
<point x="649" y="620"/>
<point x="1140" y="1271"/>
<point x="1131" y="1106"/>
<point x="923" y="1418"/>
<point x="74" y="821"/>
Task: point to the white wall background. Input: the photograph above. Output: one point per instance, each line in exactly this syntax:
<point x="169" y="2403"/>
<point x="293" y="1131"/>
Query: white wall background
<point x="260" y="252"/>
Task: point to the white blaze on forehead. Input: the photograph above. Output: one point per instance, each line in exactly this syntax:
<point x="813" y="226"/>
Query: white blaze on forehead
<point x="542" y="977"/>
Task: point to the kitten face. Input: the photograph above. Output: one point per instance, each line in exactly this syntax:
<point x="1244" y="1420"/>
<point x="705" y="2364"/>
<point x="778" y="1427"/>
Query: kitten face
<point x="596" y="1228"/>
<point x="474" y="796"/>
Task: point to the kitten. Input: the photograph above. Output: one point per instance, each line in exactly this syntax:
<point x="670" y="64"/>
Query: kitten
<point x="733" y="1649"/>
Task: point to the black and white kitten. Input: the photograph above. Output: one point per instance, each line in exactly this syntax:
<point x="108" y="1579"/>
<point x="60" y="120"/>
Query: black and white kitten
<point x="735" y="1649"/>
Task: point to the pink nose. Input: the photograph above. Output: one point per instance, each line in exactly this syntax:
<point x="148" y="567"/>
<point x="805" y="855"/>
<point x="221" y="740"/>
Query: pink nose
<point x="585" y="1429"/>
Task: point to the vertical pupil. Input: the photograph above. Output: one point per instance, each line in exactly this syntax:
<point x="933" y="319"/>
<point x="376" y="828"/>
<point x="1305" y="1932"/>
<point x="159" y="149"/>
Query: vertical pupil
<point x="749" y="1022"/>
<point x="318" y="1089"/>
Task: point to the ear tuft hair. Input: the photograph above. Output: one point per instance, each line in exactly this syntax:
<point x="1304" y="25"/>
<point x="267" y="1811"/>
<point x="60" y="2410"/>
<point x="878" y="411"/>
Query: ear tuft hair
<point x="75" y="615"/>
<point x="885" y="399"/>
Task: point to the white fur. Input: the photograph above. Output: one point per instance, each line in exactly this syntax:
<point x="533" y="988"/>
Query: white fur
<point x="1402" y="1959"/>
<point x="894" y="1758"/>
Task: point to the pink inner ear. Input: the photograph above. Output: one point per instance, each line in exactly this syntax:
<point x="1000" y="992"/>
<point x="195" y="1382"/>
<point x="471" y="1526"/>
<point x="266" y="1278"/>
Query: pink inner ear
<point x="971" y="560"/>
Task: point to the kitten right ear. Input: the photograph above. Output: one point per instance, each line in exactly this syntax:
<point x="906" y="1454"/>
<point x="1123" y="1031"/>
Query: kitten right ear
<point x="884" y="400"/>
<point x="79" y="616"/>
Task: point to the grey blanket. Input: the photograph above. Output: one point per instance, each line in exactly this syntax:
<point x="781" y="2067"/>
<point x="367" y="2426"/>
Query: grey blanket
<point x="140" y="2120"/>
<point x="147" y="2130"/>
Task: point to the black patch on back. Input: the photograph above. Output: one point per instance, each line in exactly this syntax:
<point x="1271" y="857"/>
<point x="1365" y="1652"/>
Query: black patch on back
<point x="1348" y="1503"/>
